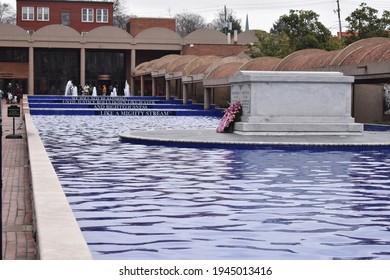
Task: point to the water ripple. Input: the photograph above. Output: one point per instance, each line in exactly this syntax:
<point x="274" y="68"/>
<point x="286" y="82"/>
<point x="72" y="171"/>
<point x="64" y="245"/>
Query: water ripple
<point x="155" y="202"/>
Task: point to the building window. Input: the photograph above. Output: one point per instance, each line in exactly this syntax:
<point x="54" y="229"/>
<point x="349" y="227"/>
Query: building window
<point x="102" y="15"/>
<point x="27" y="13"/>
<point x="87" y="15"/>
<point x="43" y="14"/>
<point x="65" y="18"/>
<point x="13" y="55"/>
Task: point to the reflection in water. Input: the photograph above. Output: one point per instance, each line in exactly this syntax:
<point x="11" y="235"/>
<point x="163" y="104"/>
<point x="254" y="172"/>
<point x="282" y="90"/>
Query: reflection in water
<point x="155" y="202"/>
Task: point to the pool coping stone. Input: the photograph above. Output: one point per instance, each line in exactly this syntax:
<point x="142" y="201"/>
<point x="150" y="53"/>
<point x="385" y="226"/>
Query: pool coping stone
<point x="211" y="137"/>
<point x="59" y="236"/>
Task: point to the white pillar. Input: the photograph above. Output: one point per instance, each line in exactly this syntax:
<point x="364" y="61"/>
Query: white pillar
<point x="185" y="93"/>
<point x="82" y="66"/>
<point x="167" y="89"/>
<point x="142" y="86"/>
<point x="132" y="66"/>
<point x="207" y="98"/>
<point x="30" y="71"/>
<point x="153" y="86"/>
<point x="235" y="37"/>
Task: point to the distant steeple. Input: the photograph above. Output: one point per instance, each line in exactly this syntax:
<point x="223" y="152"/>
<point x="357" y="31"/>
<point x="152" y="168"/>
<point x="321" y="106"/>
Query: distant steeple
<point x="247" y="23"/>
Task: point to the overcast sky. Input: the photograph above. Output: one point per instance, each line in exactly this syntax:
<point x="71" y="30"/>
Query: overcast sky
<point x="261" y="13"/>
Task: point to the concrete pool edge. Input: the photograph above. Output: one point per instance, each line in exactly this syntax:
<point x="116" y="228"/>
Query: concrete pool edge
<point x="209" y="138"/>
<point x="58" y="234"/>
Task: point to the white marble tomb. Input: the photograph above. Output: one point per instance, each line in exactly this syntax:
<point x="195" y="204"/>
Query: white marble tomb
<point x="294" y="103"/>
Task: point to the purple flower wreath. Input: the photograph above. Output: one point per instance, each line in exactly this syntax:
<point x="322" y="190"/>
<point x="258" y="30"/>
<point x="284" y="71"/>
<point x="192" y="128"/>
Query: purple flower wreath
<point x="232" y="114"/>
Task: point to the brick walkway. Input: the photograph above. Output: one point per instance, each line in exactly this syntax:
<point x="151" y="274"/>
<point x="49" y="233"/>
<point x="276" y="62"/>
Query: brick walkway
<point x="17" y="233"/>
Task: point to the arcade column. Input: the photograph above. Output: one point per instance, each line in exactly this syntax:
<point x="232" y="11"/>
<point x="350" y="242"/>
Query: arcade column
<point x="30" y="71"/>
<point x="153" y="86"/>
<point x="207" y="95"/>
<point x="185" y="93"/>
<point x="82" y="66"/>
<point x="167" y="90"/>
<point x="132" y="66"/>
<point x="142" y="86"/>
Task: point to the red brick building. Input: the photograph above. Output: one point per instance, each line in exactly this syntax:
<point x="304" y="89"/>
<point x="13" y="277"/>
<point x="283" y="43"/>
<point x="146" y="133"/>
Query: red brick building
<point x="82" y="16"/>
<point x="137" y="25"/>
<point x="76" y="40"/>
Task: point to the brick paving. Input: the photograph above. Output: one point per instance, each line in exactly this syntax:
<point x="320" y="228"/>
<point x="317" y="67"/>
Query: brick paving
<point x="17" y="215"/>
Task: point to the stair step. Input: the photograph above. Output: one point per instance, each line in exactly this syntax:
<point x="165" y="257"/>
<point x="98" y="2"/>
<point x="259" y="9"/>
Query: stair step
<point x="116" y="106"/>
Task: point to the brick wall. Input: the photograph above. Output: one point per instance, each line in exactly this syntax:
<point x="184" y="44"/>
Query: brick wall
<point x="57" y="8"/>
<point x="13" y="70"/>
<point x="136" y="25"/>
<point x="368" y="103"/>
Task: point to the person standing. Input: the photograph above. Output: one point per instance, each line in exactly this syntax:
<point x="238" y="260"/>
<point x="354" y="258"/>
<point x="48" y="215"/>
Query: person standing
<point x="9" y="93"/>
<point x="18" y="93"/>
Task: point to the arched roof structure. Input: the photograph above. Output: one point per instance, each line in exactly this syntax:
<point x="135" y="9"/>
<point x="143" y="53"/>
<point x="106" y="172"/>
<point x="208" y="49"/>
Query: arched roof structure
<point x="215" y="71"/>
<point x="297" y="58"/>
<point x="247" y="37"/>
<point x="158" y="35"/>
<point x="265" y="63"/>
<point x="108" y="34"/>
<point x="57" y="36"/>
<point x="195" y="71"/>
<point x="200" y="64"/>
<point x="224" y="70"/>
<point x="7" y="29"/>
<point x="160" y="66"/>
<point x="218" y="75"/>
<point x="224" y="61"/>
<point x="57" y="33"/>
<point x="14" y="34"/>
<point x="205" y="36"/>
<point x="310" y="60"/>
<point x="369" y="53"/>
<point x="179" y="63"/>
<point x="355" y="47"/>
<point x="144" y="68"/>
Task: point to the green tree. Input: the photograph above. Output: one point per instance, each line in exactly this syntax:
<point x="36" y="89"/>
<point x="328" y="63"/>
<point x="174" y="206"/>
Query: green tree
<point x="303" y="29"/>
<point x="276" y="45"/>
<point x="7" y="13"/>
<point x="335" y="43"/>
<point x="365" y="23"/>
<point x="188" y="22"/>
<point x="222" y="20"/>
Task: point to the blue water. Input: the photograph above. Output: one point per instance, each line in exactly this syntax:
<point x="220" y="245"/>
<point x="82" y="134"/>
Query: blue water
<point x="156" y="202"/>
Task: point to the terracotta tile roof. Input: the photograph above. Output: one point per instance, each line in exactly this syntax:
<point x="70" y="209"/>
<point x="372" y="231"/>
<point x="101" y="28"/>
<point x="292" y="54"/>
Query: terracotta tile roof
<point x="180" y="63"/>
<point x="224" y="70"/>
<point x="265" y="63"/>
<point x="367" y="54"/>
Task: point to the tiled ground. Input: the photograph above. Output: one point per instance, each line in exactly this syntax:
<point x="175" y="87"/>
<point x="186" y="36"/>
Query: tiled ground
<point x="17" y="231"/>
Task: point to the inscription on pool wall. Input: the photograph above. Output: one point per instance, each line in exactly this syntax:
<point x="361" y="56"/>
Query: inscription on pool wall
<point x="281" y="102"/>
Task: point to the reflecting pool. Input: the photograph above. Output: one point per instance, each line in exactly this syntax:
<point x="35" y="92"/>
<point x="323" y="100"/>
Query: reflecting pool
<point x="158" y="202"/>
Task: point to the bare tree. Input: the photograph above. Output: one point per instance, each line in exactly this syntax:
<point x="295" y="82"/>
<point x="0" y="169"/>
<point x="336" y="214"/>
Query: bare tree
<point x="119" y="18"/>
<point x="7" y="13"/>
<point x="188" y="22"/>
